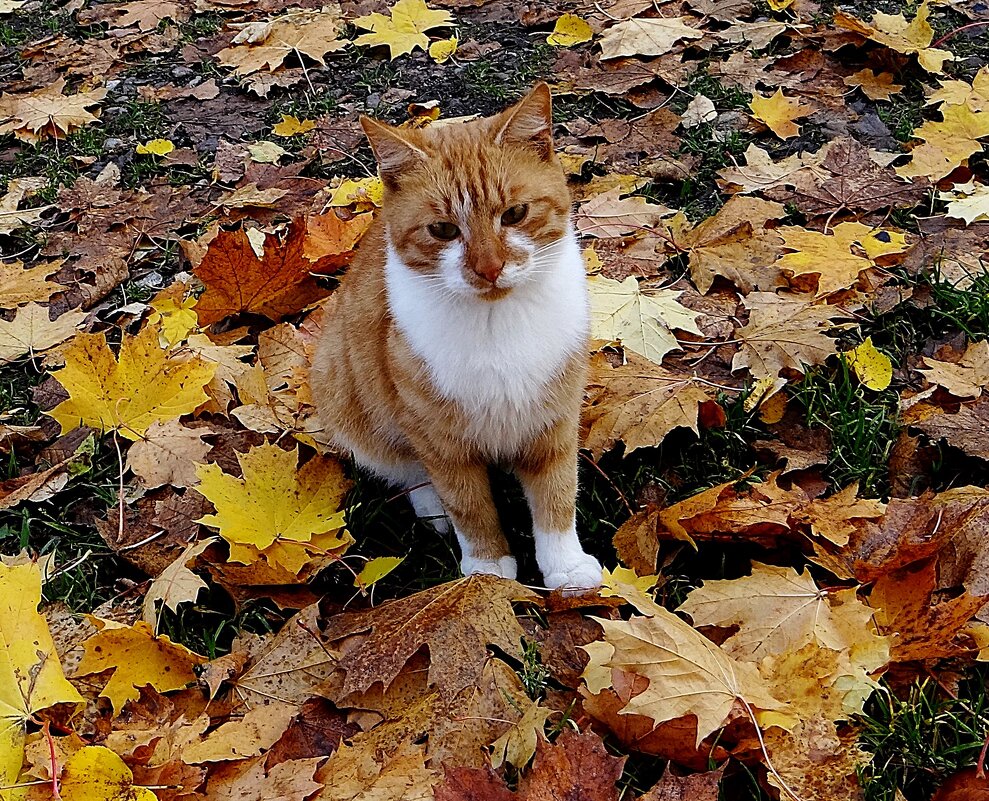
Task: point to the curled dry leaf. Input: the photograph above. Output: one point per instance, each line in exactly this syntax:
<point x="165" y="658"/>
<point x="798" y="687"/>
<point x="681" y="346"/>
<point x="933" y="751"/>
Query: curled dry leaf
<point x="639" y="403"/>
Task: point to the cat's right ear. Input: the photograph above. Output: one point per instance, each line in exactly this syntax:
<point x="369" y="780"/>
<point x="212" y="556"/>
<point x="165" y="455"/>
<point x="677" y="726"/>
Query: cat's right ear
<point x="394" y="153"/>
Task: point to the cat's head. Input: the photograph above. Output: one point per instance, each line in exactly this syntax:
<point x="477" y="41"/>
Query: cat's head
<point x="475" y="207"/>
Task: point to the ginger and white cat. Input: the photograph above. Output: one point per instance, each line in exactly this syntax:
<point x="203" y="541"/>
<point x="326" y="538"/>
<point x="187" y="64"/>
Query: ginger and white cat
<point x="458" y="337"/>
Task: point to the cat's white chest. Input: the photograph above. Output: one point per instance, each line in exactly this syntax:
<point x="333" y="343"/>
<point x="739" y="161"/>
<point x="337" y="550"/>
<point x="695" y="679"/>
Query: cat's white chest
<point x="496" y="359"/>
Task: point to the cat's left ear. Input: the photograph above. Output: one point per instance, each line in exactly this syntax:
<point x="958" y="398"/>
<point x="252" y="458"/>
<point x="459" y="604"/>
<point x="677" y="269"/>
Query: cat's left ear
<point x="529" y="123"/>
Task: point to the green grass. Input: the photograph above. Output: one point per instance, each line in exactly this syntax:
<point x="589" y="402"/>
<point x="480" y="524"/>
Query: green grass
<point x="921" y="739"/>
<point x="862" y="424"/>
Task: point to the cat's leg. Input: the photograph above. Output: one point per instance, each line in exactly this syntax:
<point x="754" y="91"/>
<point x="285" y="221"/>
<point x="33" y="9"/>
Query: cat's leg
<point x="548" y="474"/>
<point x="413" y="478"/>
<point x="465" y="492"/>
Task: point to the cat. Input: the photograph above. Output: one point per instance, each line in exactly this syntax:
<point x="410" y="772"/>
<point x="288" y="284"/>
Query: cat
<point x="458" y="337"/>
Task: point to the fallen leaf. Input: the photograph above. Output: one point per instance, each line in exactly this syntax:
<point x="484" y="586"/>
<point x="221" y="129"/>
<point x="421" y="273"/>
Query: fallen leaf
<point x="645" y="37"/>
<point x="95" y="773"/>
<point x="442" y="50"/>
<point x="143" y="384"/>
<point x="167" y="453"/>
<point x="275" y="503"/>
<point x="693" y="787"/>
<point x="968" y="202"/>
<point x="872" y="367"/>
<point x="874" y="86"/>
<point x="176" y="584"/>
<point x="19" y="286"/>
<point x="967" y="429"/>
<point x="687" y="673"/>
<point x="639" y="403"/>
<point x="896" y="33"/>
<point x="517" y="745"/>
<point x="644" y="323"/>
<point x="31" y="678"/>
<point x="32" y="331"/>
<point x="569" y="30"/>
<point x="292" y="126"/>
<point x="11" y="219"/>
<point x="404" y="30"/>
<point x="778" y="113"/>
<point x="456" y="620"/>
<point x="775" y="611"/>
<point x="47" y="112"/>
<point x="966" y="378"/>
<point x="136" y="657"/>
<point x="606" y="215"/>
<point x="947" y="144"/>
<point x="312" y="33"/>
<point x="155" y="147"/>
<point x="237" y="280"/>
<point x="784" y="333"/>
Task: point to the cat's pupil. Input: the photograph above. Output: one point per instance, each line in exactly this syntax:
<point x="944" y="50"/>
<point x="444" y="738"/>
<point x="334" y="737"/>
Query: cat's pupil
<point x="515" y="214"/>
<point x="444" y="230"/>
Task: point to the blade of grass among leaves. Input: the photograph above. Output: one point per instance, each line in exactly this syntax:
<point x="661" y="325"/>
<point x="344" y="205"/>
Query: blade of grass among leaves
<point x="785" y="468"/>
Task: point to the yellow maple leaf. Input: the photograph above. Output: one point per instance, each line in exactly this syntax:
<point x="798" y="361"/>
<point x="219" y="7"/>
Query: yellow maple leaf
<point x="177" y="318"/>
<point x="569" y="30"/>
<point x="622" y="312"/>
<point x="31" y="677"/>
<point x="47" y="112"/>
<point x="155" y="147"/>
<point x="873" y="367"/>
<point x="292" y="126"/>
<point x="95" y="773"/>
<point x="275" y="504"/>
<point x="129" y="392"/>
<point x="874" y="86"/>
<point x="896" y="33"/>
<point x="947" y="142"/>
<point x="404" y="30"/>
<point x="137" y="658"/>
<point x="779" y="112"/>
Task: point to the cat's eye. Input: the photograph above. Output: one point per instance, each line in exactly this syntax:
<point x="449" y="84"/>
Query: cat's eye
<point x="515" y="214"/>
<point x="444" y="230"/>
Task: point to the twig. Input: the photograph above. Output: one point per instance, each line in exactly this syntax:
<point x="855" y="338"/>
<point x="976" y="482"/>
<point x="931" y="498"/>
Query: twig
<point x="951" y="34"/>
<point x="607" y="478"/>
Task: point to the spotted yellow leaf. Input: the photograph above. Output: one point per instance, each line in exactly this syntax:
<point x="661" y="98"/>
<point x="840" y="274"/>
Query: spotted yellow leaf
<point x="441" y="50"/>
<point x="137" y="657"/>
<point x="292" y="126"/>
<point x="873" y="367"/>
<point x="95" y="773"/>
<point x="569" y="30"/>
<point x="155" y="147"/>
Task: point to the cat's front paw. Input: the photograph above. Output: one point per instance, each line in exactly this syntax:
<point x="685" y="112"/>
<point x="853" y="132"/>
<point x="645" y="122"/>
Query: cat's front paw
<point x="504" y="567"/>
<point x="583" y="574"/>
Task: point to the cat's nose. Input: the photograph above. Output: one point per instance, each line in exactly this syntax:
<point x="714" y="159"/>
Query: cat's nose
<point x="489" y="268"/>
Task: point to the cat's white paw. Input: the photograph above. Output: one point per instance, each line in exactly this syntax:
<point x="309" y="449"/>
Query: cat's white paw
<point x="581" y="576"/>
<point x="504" y="567"/>
<point x="564" y="564"/>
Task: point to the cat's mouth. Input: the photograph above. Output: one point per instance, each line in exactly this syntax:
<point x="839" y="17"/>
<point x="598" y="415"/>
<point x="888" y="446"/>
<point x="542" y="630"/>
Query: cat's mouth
<point x="494" y="293"/>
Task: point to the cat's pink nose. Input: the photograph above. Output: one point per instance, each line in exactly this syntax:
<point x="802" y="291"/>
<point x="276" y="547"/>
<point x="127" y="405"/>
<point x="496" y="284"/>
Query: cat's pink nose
<point x="489" y="269"/>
